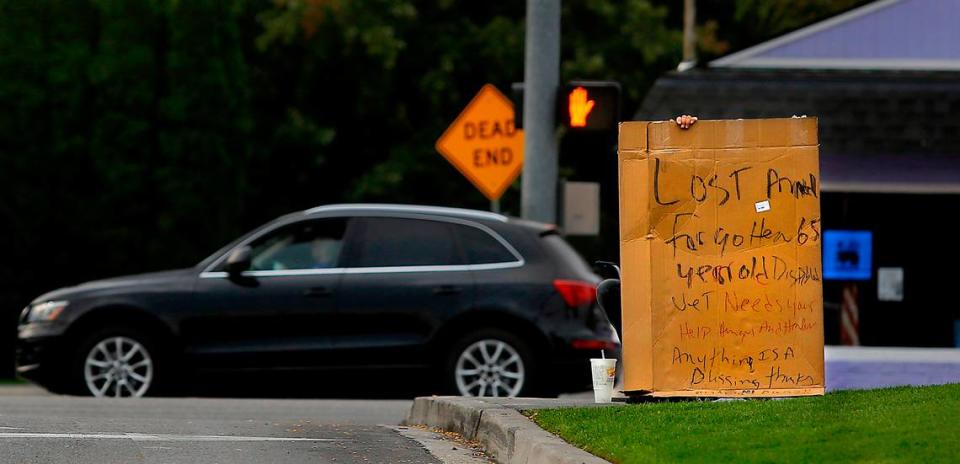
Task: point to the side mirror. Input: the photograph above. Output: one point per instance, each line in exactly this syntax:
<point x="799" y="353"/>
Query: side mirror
<point x="607" y="269"/>
<point x="608" y="296"/>
<point x="238" y="261"/>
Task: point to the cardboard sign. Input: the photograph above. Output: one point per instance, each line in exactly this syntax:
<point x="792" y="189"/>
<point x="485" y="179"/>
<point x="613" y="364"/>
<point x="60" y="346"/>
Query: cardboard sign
<point x="720" y="252"/>
<point x="484" y="144"/>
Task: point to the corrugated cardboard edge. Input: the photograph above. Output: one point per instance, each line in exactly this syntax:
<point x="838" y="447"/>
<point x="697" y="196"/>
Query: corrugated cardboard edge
<point x="716" y="393"/>
<point x="638" y="337"/>
<point x="733" y="133"/>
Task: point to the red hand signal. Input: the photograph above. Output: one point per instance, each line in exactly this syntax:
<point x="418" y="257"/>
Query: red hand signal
<point x="579" y="107"/>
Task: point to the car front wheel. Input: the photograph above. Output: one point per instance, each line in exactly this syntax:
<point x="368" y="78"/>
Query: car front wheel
<point x="116" y="363"/>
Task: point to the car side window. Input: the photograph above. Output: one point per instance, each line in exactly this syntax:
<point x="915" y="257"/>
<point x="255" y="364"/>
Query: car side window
<point x="481" y="247"/>
<point x="312" y="244"/>
<point x="390" y="242"/>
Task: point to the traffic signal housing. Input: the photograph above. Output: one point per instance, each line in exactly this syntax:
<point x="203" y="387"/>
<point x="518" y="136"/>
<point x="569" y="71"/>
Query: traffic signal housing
<point x="589" y="105"/>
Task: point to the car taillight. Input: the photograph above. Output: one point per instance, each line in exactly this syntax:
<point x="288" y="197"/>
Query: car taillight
<point x="594" y="345"/>
<point x="576" y="293"/>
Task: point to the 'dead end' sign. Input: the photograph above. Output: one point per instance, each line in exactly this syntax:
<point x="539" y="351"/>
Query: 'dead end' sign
<point x="484" y="144"/>
<point x="720" y="248"/>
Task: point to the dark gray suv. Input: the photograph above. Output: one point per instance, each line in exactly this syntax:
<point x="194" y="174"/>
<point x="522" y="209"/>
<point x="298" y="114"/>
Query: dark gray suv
<point x="493" y="306"/>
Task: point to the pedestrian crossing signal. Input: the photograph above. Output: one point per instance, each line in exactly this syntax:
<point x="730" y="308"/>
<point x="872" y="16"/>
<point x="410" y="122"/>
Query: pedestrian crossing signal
<point x="579" y="105"/>
<point x="590" y="105"/>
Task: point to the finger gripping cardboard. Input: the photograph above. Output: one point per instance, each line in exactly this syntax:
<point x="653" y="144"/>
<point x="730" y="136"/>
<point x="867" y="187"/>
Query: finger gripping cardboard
<point x="720" y="251"/>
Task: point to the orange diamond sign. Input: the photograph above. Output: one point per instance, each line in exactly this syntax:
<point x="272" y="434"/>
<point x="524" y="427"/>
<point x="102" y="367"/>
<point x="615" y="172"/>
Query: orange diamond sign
<point x="484" y="144"/>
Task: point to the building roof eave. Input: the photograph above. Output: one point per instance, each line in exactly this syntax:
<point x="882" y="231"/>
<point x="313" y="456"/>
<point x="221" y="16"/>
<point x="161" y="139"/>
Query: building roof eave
<point x="739" y="59"/>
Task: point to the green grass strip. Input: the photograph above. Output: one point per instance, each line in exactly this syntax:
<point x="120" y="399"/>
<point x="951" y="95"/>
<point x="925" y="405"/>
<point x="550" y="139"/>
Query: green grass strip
<point x="905" y="424"/>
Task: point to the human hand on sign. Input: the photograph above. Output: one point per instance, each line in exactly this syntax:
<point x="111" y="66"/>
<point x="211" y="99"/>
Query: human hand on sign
<point x="685" y="121"/>
<point x="579" y="107"/>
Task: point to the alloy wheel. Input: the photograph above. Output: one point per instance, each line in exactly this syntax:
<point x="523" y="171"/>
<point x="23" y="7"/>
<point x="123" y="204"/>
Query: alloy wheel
<point x="489" y="367"/>
<point x="118" y="367"/>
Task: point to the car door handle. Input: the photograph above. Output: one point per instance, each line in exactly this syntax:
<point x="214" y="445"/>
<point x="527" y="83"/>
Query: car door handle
<point x="446" y="290"/>
<point x="317" y="292"/>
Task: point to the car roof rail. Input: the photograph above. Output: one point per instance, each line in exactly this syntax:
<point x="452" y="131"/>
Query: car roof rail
<point x="423" y="209"/>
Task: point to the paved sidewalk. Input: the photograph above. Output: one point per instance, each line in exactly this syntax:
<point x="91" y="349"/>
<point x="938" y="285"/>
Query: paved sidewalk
<point x="849" y="367"/>
<point x="865" y="367"/>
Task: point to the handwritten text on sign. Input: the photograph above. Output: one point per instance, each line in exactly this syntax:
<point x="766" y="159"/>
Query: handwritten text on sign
<point x="734" y="300"/>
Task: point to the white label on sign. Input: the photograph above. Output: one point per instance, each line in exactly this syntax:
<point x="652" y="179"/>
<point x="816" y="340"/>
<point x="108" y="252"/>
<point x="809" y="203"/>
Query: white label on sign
<point x="890" y="284"/>
<point x="763" y="206"/>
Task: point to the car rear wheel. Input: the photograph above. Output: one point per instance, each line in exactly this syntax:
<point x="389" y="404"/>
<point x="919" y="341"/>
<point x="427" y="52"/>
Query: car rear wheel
<point x="116" y="363"/>
<point x="491" y="363"/>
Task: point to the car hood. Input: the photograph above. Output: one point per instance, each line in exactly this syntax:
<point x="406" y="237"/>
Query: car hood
<point x="122" y="283"/>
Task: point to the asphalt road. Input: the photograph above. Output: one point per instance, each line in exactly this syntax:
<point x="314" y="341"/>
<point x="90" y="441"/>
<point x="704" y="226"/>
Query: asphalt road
<point x="57" y="429"/>
<point x="60" y="429"/>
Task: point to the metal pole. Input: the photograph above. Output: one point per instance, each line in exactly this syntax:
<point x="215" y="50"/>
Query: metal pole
<point x="495" y="206"/>
<point x="689" y="35"/>
<point x="541" y="77"/>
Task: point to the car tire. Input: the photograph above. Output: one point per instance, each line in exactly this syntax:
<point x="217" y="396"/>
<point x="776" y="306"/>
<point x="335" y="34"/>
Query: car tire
<point x="117" y="361"/>
<point x="491" y="362"/>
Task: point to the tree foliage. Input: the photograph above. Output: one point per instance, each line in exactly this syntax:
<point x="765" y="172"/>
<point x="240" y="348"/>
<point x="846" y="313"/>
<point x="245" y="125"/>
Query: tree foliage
<point x="733" y="25"/>
<point x="141" y="134"/>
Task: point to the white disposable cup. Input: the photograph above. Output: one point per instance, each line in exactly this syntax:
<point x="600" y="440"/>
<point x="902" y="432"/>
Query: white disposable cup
<point x="604" y="374"/>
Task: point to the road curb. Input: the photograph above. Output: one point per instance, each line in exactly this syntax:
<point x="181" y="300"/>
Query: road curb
<point x="503" y="431"/>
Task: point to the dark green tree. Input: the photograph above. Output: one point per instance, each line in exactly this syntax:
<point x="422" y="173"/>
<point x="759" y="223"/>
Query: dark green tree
<point x="137" y="135"/>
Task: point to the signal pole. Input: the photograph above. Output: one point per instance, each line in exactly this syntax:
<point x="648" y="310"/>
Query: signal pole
<point x="689" y="35"/>
<point x="541" y="78"/>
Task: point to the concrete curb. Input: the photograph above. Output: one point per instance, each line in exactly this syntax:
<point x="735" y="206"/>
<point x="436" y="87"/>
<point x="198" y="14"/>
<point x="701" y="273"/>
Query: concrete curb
<point x="499" y="426"/>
